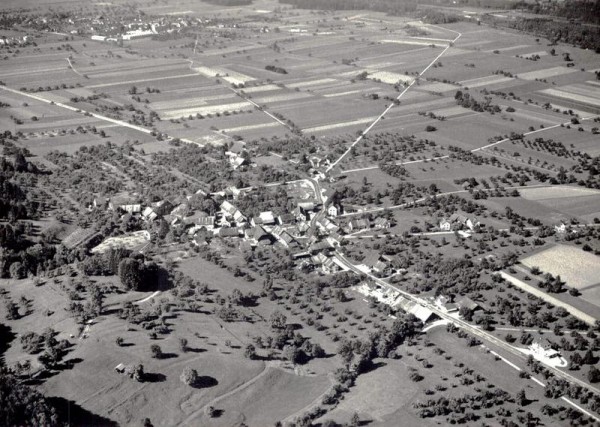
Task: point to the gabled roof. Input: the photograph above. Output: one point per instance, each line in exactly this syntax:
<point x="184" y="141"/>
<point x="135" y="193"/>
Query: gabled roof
<point x="229" y="232"/>
<point x="228" y="208"/>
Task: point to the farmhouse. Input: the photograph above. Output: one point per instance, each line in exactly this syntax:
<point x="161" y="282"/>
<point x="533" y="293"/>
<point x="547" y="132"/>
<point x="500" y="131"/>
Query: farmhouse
<point x="126" y="203"/>
<point x="445" y="304"/>
<point x="445" y="225"/>
<point x="381" y="223"/>
<point x="468" y="303"/>
<point x="358" y="224"/>
<point x="470" y="222"/>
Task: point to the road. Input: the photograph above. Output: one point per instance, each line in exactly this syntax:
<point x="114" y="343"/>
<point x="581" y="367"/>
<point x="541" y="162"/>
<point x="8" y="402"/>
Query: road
<point x="473" y="330"/>
<point x="406" y="89"/>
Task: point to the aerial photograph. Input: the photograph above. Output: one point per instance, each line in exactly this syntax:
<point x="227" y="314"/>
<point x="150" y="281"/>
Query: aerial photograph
<point x="294" y="213"/>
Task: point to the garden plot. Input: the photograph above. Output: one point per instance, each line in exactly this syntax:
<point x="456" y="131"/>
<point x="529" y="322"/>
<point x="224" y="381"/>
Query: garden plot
<point x="558" y="192"/>
<point x="485" y="81"/>
<point x="438" y="87"/>
<point x="573" y="97"/>
<point x="578" y="268"/>
<point x="546" y="73"/>
<point x="389" y="77"/>
<point x="191" y="102"/>
<point x="208" y="109"/>
<point x="229" y="76"/>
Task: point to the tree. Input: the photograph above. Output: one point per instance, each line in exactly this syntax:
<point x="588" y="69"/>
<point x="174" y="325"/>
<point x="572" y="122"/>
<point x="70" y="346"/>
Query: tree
<point x="147" y="423"/>
<point x="521" y="398"/>
<point x="156" y="351"/>
<point x="189" y="376"/>
<point x="131" y="273"/>
<point x="210" y="411"/>
<point x="277" y="320"/>
<point x="183" y="345"/>
<point x="138" y="373"/>
<point x="355" y="420"/>
<point x="17" y="271"/>
<point x="250" y="352"/>
<point x="593" y="375"/>
<point x="119" y="341"/>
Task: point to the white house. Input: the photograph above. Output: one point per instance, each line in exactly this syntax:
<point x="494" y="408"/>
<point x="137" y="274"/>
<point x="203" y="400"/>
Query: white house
<point x="332" y="211"/>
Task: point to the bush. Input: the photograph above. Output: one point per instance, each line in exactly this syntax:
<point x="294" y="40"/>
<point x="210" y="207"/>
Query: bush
<point x="430" y="128"/>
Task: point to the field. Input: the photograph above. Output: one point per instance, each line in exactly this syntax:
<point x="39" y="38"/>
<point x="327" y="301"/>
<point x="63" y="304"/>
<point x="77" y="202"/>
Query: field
<point x="579" y="269"/>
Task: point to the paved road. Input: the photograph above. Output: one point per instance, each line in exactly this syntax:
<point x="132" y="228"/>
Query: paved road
<point x="467" y="326"/>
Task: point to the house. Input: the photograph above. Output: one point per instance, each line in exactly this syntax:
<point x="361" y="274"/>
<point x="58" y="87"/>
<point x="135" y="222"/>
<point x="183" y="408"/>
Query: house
<point x="148" y="214"/>
<point x="445" y="225"/>
<point x="125" y="203"/>
<point x="226" y="232"/>
<point x="228" y="209"/>
<point x="560" y="228"/>
<point x="381" y="223"/>
<point x="445" y="304"/>
<point x="162" y="207"/>
<point x="180" y="211"/>
<point x="322" y="246"/>
<point x="207" y="222"/>
<point x="232" y="192"/>
<point x="100" y="202"/>
<point x="333" y="211"/>
<point x="470" y="222"/>
<point x="422" y="313"/>
<point x="382" y="268"/>
<point x="264" y="218"/>
<point x="236" y="161"/>
<point x="327" y="225"/>
<point x="468" y="303"/>
<point x="287" y="218"/>
<point x="277" y="231"/>
<point x="329" y="266"/>
<point x="259" y="236"/>
<point x="230" y="212"/>
<point x="358" y="224"/>
<point x="121" y="368"/>
<point x="287" y="240"/>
